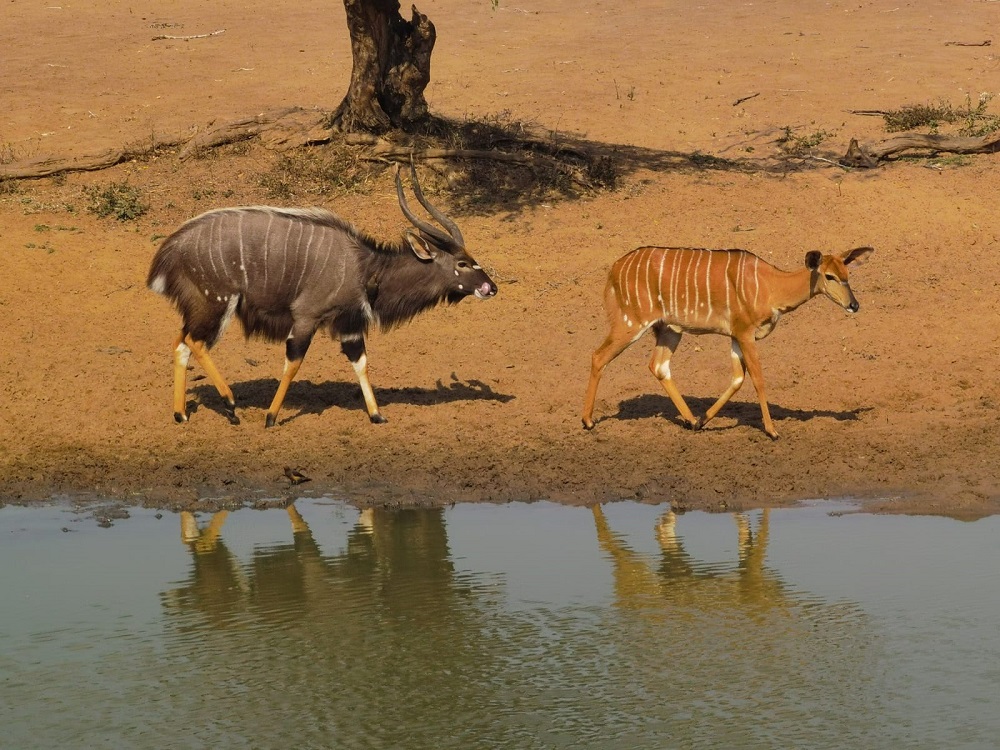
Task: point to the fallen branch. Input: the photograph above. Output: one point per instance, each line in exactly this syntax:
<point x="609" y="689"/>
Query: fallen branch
<point x="745" y="99"/>
<point x="870" y="155"/>
<point x="192" y="36"/>
<point x="119" y="289"/>
<point x="985" y="43"/>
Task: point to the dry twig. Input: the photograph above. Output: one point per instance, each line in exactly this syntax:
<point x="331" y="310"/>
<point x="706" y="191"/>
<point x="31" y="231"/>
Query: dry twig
<point x="192" y="36"/>
<point x="745" y="98"/>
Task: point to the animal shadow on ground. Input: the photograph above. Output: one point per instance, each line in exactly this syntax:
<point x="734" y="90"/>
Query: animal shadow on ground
<point x="307" y="397"/>
<point x="746" y="413"/>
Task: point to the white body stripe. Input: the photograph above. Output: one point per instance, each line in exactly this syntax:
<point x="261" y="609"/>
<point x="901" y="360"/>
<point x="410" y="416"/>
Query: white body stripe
<point x="672" y="291"/>
<point x="708" y="288"/>
<point x="687" y="282"/>
<point x="621" y="286"/>
<point x="305" y="261"/>
<point x="694" y="283"/>
<point x="649" y="281"/>
<point x="243" y="260"/>
<point x="659" y="284"/>
<point x="638" y="268"/>
<point x="739" y="279"/>
<point x="267" y="243"/>
<point x="729" y="257"/>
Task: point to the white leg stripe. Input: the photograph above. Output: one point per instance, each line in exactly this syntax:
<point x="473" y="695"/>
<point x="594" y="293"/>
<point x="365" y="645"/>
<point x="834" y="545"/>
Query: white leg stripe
<point x="183" y="353"/>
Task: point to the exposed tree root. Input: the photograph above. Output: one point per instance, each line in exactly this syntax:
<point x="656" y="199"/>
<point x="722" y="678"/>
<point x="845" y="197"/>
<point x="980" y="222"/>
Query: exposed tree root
<point x="279" y="129"/>
<point x="382" y="149"/>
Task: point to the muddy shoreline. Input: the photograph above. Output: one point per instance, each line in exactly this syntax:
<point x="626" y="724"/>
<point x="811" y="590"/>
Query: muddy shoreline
<point x="191" y="484"/>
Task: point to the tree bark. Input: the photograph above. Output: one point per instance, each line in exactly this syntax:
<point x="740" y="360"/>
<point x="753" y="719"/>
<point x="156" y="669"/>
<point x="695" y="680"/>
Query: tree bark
<point x="392" y="67"/>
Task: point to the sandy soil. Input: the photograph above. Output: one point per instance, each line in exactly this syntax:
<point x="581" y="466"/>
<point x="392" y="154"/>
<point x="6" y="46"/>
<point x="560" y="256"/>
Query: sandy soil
<point x="898" y="405"/>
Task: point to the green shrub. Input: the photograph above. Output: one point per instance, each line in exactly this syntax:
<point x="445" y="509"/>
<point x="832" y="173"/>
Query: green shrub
<point x="975" y="120"/>
<point x="117" y="199"/>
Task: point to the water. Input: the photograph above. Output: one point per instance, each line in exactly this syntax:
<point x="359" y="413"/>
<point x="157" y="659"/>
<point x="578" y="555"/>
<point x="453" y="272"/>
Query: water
<point x="515" y="626"/>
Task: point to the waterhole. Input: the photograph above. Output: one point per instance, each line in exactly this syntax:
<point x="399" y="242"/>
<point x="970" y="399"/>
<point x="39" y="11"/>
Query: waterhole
<point x="498" y="626"/>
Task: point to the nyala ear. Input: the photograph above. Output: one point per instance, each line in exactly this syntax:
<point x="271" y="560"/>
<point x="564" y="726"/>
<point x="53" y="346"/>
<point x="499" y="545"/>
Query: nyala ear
<point x="857" y="256"/>
<point x="813" y="258"/>
<point x="420" y="246"/>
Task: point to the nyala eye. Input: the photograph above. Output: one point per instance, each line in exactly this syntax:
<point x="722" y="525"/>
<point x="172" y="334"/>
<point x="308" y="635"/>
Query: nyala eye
<point x="462" y="264"/>
<point x="831" y="277"/>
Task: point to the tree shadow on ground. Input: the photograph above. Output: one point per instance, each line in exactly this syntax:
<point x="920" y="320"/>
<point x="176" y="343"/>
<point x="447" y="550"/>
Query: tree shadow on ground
<point x="307" y="397"/>
<point x="498" y="164"/>
<point x="488" y="165"/>
<point x="746" y="413"/>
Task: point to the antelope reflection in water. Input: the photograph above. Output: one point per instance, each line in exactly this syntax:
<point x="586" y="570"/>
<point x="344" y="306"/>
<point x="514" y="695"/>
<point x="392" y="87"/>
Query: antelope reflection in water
<point x="737" y="651"/>
<point x="683" y="582"/>
<point x="341" y="633"/>
<point x="736" y="632"/>
<point x="387" y="552"/>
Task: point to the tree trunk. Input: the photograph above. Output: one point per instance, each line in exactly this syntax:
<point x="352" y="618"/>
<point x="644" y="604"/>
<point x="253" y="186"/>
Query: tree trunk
<point x="392" y="66"/>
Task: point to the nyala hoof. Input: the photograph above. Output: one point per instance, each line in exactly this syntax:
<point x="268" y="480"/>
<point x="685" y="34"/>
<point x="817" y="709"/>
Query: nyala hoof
<point x="270" y="421"/>
<point x="377" y="418"/>
<point x="180" y="418"/>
